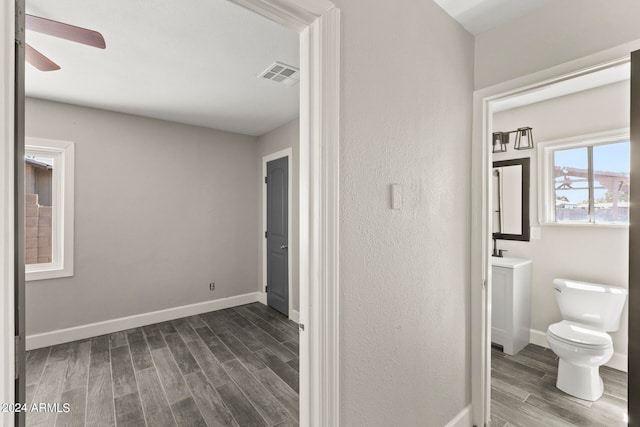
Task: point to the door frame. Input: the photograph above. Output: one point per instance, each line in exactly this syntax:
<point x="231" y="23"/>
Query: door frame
<point x="288" y="153"/>
<point x="483" y="101"/>
<point x="7" y="230"/>
<point x="318" y="23"/>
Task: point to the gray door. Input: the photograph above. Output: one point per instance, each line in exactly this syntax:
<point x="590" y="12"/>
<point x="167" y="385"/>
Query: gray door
<point x="19" y="213"/>
<point x="277" y="234"/>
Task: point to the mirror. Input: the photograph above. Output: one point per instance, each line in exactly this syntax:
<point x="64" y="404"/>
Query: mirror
<point x="511" y="199"/>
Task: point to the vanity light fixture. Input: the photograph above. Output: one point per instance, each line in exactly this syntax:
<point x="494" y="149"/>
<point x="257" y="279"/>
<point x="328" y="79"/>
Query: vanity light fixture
<point x="500" y="141"/>
<point x="524" y="140"/>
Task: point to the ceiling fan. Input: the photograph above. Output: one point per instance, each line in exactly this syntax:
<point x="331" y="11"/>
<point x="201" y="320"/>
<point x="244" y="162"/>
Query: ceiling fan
<point x="60" y="30"/>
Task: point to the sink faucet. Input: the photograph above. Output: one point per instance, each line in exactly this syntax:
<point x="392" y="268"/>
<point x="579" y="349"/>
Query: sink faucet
<point x="497" y="252"/>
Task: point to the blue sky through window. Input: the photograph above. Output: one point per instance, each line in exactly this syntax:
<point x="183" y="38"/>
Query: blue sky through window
<point x="609" y="158"/>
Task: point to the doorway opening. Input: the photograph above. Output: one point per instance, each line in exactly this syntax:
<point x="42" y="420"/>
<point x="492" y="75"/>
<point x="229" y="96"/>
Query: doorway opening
<point x="318" y="25"/>
<point x="497" y="308"/>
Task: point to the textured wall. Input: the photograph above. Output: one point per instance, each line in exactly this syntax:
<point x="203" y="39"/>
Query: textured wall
<point x="407" y="81"/>
<point x="286" y="136"/>
<point x="559" y="32"/>
<point x="161" y="210"/>
<point x="592" y="254"/>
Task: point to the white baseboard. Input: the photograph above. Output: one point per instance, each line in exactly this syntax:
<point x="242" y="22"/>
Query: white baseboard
<point x="463" y="419"/>
<point x="262" y="297"/>
<point x="294" y="316"/>
<point x="538" y="338"/>
<point x="618" y="360"/>
<point x="108" y="326"/>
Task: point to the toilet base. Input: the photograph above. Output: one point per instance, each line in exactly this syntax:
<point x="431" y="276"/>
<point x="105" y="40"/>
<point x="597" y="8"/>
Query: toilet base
<point x="581" y="382"/>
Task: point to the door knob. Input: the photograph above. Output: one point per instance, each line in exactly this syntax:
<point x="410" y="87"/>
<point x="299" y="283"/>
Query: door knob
<point x="284" y="247"/>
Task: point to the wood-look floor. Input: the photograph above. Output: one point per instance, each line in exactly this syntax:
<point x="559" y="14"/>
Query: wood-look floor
<point x="523" y="393"/>
<point x="235" y="367"/>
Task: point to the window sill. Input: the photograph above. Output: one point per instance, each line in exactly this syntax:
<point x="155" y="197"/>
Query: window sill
<point x="581" y="224"/>
<point x="44" y="273"/>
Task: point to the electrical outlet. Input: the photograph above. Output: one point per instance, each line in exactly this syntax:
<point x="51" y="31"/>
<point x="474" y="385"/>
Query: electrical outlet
<point x="212" y="286"/>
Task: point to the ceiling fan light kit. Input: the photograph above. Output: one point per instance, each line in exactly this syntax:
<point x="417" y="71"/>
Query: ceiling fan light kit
<point x="61" y="30"/>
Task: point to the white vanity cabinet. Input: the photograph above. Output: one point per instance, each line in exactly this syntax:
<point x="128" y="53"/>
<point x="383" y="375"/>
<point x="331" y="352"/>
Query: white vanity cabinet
<point x="510" y="303"/>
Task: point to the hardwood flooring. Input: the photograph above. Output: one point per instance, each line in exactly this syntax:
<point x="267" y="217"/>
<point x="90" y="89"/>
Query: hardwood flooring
<point x="523" y="393"/>
<point x="234" y="367"/>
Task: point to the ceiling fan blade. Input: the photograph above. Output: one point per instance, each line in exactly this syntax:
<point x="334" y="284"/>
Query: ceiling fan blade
<point x="38" y="60"/>
<point x="65" y="31"/>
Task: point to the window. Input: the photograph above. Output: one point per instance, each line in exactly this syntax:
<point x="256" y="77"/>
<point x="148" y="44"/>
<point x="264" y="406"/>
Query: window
<point x="48" y="208"/>
<point x="585" y="180"/>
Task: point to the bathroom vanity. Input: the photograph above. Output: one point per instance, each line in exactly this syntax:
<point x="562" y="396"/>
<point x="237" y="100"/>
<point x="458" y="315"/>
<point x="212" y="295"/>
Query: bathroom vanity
<point x="510" y="303"/>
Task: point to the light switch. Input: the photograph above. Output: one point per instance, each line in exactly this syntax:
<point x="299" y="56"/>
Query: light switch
<point x="535" y="233"/>
<point x="396" y="196"/>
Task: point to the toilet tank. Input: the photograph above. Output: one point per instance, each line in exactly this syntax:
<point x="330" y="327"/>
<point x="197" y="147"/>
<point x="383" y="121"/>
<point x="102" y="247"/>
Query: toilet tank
<point x="591" y="304"/>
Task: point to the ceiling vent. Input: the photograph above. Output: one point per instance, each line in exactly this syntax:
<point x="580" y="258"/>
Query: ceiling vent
<point x="281" y="73"/>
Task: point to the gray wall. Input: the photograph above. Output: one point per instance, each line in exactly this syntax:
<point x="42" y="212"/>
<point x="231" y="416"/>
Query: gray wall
<point x="161" y="210"/>
<point x="407" y="81"/>
<point x="283" y="137"/>
<point x="592" y="254"/>
<point x="561" y="31"/>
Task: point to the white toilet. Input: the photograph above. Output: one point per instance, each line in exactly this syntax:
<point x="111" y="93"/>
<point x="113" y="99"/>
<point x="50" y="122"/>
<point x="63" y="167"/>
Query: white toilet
<point x="580" y="340"/>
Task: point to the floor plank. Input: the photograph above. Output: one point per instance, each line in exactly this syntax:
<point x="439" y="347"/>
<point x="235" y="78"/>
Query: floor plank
<point x="282" y="352"/>
<point x="124" y="380"/>
<point x="140" y="355"/>
<point x="243" y="412"/>
<point x="157" y="411"/>
<point x="49" y="391"/>
<point x="214" y="372"/>
<point x="185" y="330"/>
<point x="284" y="371"/>
<point x="78" y="370"/>
<point x="170" y="377"/>
<point x="217" y="347"/>
<point x="100" y="350"/>
<point x="181" y="354"/>
<point x="100" y="410"/>
<point x="76" y="399"/>
<point x="266" y="404"/>
<point x="154" y="337"/>
<point x="211" y="406"/>
<point x="117" y="339"/>
<point x="187" y="413"/>
<point x="129" y="410"/>
<point x="280" y="390"/>
<point x="246" y="356"/>
<point x="35" y="361"/>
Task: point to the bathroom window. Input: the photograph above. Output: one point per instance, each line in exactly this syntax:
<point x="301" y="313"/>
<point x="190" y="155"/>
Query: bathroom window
<point x="48" y="179"/>
<point x="585" y="180"/>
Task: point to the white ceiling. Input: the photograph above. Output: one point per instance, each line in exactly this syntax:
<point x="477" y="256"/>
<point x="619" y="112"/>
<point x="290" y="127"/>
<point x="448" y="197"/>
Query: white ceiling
<point x="191" y="62"/>
<point x="478" y="16"/>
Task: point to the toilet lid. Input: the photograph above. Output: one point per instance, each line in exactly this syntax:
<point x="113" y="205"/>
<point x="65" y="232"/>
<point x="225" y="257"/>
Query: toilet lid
<point x="579" y="335"/>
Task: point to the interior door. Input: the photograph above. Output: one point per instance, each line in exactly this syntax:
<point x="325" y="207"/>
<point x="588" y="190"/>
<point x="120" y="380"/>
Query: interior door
<point x="634" y="248"/>
<point x="19" y="293"/>
<point x="277" y="234"/>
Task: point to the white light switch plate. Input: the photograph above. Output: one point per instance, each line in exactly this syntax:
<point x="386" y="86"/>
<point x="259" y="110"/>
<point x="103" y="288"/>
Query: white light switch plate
<point x="396" y="196"/>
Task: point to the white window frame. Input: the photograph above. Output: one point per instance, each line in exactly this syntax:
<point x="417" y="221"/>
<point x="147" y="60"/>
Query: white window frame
<point x="546" y="179"/>
<point x="63" y="154"/>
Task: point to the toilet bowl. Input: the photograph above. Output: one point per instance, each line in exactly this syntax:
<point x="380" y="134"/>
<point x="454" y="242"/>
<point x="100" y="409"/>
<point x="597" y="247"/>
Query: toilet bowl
<point x="581" y="350"/>
<point x="581" y="340"/>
